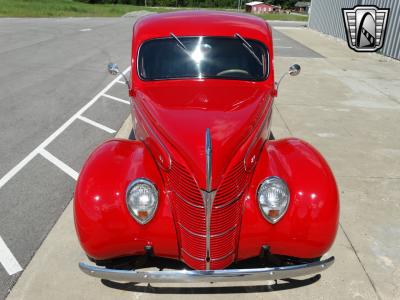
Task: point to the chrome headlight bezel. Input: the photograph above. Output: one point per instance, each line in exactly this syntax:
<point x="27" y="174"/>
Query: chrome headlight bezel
<point x="273" y="180"/>
<point x="152" y="189"/>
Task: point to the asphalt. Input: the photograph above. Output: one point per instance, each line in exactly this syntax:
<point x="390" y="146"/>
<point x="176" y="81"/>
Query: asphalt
<point x="343" y="103"/>
<point x="50" y="69"/>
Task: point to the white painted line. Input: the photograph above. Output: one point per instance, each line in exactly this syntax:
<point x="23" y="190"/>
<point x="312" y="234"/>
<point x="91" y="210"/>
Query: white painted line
<point x="17" y="168"/>
<point x="65" y="168"/>
<point x="121" y="82"/>
<point x="283" y="47"/>
<point x="95" y="124"/>
<point x="10" y="174"/>
<point x="8" y="260"/>
<point x="116" y="99"/>
<point x="85" y="29"/>
<point x="276" y="39"/>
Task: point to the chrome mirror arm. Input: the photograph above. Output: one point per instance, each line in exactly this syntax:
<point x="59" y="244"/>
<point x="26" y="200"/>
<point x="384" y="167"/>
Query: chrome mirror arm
<point x="277" y="83"/>
<point x="294" y="70"/>
<point x="113" y="69"/>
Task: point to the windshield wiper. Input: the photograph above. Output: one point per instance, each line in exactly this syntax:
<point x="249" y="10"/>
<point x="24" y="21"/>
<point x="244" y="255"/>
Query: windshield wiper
<point x="249" y="48"/>
<point x="181" y="45"/>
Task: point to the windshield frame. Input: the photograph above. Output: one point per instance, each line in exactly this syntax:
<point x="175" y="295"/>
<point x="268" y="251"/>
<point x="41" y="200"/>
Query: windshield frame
<point x="261" y="44"/>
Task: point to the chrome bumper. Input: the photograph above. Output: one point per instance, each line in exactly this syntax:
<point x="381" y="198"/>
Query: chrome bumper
<point x="225" y="275"/>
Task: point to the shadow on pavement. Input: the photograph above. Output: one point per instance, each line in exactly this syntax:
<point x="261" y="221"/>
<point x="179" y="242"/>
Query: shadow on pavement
<point x="286" y="285"/>
<point x="142" y="262"/>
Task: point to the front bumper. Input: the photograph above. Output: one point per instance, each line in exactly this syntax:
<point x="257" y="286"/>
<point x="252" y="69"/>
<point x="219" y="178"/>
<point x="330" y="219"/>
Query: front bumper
<point x="226" y="275"/>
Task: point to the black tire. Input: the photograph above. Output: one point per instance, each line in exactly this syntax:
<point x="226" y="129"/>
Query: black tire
<point x="271" y="136"/>
<point x="132" y="136"/>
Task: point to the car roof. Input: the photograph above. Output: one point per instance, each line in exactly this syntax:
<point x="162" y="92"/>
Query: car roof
<point x="201" y="23"/>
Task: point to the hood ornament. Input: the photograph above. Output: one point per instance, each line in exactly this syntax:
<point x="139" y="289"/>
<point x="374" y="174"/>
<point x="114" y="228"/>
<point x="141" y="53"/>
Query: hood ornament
<point x="208" y="196"/>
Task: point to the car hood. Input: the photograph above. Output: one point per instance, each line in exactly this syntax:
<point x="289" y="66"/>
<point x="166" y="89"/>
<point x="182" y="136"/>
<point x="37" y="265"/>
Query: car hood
<point x="181" y="111"/>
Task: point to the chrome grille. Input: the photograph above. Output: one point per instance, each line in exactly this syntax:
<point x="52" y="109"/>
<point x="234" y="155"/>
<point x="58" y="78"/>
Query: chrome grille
<point x="189" y="213"/>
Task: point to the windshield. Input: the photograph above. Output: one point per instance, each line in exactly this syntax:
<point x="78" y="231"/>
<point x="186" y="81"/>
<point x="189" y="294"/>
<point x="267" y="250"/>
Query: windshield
<point x="203" y="57"/>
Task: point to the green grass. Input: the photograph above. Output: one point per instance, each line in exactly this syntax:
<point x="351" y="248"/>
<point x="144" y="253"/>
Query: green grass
<point x="66" y="8"/>
<point x="284" y="17"/>
<point x="71" y="8"/>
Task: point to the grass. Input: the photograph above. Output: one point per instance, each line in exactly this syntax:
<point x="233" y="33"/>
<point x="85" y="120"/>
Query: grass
<point x="66" y="8"/>
<point x="284" y="17"/>
<point x="71" y="8"/>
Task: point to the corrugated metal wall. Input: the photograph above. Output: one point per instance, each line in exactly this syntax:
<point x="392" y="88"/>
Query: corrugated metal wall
<point x="326" y="16"/>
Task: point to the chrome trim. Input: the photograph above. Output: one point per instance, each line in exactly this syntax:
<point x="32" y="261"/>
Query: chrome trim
<point x="266" y="181"/>
<point x="208" y="161"/>
<point x="204" y="235"/>
<point x="186" y="201"/>
<point x="267" y="61"/>
<point x="259" y="133"/>
<point x="154" y="134"/>
<point x="225" y="232"/>
<point x="213" y="259"/>
<point x="192" y="256"/>
<point x="154" y="190"/>
<point x="224" y="257"/>
<point x="208" y="196"/>
<point x="191" y="232"/>
<point x="230" y="202"/>
<point x="188" y="276"/>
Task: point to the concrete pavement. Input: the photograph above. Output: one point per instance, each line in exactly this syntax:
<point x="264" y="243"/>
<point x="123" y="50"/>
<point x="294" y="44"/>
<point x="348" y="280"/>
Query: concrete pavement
<point x="350" y="112"/>
<point x="347" y="105"/>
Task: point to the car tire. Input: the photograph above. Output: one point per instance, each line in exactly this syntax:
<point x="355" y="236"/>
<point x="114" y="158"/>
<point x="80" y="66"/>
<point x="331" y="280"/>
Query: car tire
<point x="132" y="136"/>
<point x="271" y="136"/>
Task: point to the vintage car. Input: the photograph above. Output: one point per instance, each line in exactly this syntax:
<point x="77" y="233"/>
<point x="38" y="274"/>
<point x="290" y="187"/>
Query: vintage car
<point x="202" y="181"/>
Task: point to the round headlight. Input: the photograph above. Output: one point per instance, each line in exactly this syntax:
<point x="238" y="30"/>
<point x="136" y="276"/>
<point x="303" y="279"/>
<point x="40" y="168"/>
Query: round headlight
<point x="142" y="200"/>
<point x="273" y="198"/>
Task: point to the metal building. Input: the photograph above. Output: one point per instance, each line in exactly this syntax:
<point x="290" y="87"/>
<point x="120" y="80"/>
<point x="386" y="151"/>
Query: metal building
<point x="326" y="16"/>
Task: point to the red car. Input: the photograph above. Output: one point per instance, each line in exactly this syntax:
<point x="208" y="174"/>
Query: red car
<point x="203" y="181"/>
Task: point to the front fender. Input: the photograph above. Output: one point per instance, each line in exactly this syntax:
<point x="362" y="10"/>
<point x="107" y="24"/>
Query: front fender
<point x="308" y="228"/>
<point x="103" y="223"/>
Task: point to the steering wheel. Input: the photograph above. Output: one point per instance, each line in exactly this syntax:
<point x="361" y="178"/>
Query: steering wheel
<point x="230" y="71"/>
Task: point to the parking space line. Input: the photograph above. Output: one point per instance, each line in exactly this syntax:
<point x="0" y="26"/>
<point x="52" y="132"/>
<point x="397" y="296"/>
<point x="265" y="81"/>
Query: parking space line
<point x="121" y="82"/>
<point x="116" y="99"/>
<point x="58" y="163"/>
<point x="95" y="124"/>
<point x="17" y="168"/>
<point x="282" y="47"/>
<point x="7" y="259"/>
<point x="10" y="174"/>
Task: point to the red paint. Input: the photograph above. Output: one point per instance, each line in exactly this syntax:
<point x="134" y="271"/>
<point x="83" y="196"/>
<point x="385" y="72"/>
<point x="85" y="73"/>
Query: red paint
<point x="308" y="228"/>
<point x="172" y="117"/>
<point x="103" y="223"/>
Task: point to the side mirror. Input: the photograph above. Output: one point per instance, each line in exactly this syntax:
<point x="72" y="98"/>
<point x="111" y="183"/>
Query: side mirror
<point x="113" y="69"/>
<point x="294" y="70"/>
